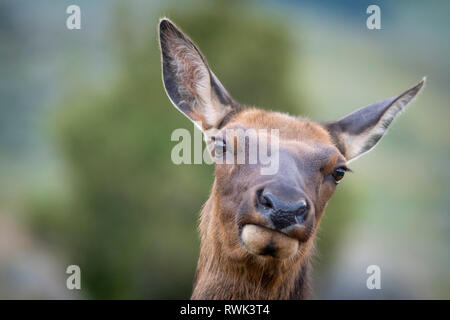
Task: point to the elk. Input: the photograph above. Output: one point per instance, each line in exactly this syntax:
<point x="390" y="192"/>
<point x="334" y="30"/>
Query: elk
<point x="257" y="231"/>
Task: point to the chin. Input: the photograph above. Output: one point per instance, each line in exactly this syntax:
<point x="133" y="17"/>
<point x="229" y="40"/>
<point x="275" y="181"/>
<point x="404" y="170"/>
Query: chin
<point x="261" y="241"/>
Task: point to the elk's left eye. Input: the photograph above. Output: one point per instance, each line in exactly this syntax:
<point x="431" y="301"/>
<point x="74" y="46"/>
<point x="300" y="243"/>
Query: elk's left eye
<point x="338" y="174"/>
<point x="219" y="147"/>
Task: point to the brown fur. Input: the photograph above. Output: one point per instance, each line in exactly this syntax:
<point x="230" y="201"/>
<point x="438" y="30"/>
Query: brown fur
<point x="225" y="270"/>
<point x="310" y="157"/>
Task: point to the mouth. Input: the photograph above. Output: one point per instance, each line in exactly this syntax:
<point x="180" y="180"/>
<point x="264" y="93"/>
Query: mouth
<point x="262" y="241"/>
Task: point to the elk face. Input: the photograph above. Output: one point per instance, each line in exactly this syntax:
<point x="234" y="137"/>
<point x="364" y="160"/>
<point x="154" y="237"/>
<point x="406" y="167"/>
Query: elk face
<point x="276" y="214"/>
<point x="273" y="214"/>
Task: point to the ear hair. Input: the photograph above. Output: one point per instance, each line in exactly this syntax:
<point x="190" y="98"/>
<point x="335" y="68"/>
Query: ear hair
<point x="191" y="86"/>
<point x="361" y="130"/>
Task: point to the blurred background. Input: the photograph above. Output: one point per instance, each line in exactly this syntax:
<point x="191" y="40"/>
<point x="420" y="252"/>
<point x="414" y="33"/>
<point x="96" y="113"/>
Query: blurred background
<point x="85" y="170"/>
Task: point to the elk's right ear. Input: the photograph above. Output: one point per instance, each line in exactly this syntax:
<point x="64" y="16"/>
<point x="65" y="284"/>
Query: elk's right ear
<point x="361" y="130"/>
<point x="190" y="84"/>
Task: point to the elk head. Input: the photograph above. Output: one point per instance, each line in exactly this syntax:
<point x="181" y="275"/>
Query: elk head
<point x="258" y="217"/>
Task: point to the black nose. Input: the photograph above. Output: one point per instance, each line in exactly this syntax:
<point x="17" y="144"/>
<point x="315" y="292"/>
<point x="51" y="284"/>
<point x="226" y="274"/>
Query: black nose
<point x="282" y="213"/>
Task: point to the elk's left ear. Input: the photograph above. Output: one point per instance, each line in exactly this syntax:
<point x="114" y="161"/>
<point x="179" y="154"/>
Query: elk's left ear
<point x="190" y="84"/>
<point x="360" y="131"/>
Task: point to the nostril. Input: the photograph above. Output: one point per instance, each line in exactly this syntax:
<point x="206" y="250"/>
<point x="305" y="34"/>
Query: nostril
<point x="300" y="208"/>
<point x="265" y="200"/>
<point x="281" y="212"/>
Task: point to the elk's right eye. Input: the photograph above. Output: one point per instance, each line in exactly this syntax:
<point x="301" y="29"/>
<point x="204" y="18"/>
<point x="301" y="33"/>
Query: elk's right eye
<point x="219" y="147"/>
<point x="339" y="173"/>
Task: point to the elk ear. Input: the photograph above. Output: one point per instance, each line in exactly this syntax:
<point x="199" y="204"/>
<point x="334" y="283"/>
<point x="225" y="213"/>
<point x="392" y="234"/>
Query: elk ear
<point x="360" y="131"/>
<point x="190" y="84"/>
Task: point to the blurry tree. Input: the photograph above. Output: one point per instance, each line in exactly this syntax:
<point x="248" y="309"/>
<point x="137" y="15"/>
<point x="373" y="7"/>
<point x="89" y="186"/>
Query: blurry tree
<point x="131" y="224"/>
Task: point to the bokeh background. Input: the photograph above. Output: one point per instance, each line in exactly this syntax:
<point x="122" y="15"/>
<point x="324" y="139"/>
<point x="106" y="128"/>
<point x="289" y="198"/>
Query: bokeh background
<point x="85" y="170"/>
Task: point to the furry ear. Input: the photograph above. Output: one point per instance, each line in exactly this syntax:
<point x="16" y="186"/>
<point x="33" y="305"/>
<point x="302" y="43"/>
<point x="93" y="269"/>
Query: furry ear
<point x="190" y="84"/>
<point x="360" y="131"/>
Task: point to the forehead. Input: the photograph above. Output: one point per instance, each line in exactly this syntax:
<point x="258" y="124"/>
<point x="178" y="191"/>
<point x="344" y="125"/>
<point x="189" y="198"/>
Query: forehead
<point x="290" y="128"/>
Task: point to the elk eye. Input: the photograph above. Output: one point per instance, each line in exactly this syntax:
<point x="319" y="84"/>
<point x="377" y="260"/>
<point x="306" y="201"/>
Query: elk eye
<point x="338" y="174"/>
<point x="219" y="147"/>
